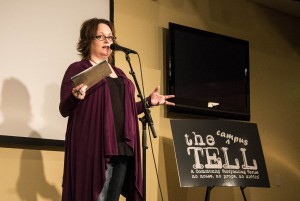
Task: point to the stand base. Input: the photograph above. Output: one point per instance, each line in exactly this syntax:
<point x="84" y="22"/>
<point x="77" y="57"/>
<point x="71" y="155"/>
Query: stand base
<point x="243" y="193"/>
<point x="209" y="188"/>
<point x="207" y="195"/>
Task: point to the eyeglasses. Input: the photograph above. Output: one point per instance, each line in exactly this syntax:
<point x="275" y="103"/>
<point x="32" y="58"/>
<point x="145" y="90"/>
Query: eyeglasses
<point x="102" y="38"/>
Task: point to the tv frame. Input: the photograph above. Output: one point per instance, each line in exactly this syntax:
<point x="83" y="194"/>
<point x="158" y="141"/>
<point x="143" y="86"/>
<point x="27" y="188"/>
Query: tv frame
<point x="214" y="111"/>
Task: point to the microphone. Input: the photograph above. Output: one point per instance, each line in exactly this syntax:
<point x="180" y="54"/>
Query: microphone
<point x="117" y="47"/>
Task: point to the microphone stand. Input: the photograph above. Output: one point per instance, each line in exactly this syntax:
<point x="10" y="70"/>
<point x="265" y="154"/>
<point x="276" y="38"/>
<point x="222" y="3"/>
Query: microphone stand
<point x="147" y="119"/>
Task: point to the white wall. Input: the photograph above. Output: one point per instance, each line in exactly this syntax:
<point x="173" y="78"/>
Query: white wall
<point x="38" y="42"/>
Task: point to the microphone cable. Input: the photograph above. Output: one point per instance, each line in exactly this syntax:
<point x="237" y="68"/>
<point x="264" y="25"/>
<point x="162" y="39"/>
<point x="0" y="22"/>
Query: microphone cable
<point x="151" y="144"/>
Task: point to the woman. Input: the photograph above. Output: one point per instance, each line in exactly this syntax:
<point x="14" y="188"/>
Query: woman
<point x="102" y="146"/>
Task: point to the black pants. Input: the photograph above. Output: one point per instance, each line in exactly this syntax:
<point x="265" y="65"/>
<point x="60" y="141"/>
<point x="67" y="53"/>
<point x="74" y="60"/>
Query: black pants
<point x="115" y="174"/>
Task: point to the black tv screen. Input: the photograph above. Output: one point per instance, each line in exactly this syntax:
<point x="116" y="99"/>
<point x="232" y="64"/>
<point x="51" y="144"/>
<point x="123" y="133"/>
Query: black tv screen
<point x="208" y="73"/>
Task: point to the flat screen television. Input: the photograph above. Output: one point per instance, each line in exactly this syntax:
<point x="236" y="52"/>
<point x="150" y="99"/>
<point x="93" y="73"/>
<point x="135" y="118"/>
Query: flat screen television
<point x="208" y="73"/>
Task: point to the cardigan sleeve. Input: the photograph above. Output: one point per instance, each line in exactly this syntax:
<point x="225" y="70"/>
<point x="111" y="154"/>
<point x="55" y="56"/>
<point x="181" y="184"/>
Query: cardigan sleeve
<point x="68" y="102"/>
<point x="139" y="105"/>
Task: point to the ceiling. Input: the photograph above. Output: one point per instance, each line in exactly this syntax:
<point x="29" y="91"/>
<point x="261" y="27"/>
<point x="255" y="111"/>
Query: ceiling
<point x="291" y="7"/>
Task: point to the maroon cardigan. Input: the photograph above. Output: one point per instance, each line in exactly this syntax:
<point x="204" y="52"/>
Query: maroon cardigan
<point x="90" y="138"/>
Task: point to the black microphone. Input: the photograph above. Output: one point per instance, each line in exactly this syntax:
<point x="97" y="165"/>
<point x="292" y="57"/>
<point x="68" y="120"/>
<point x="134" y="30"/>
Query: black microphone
<point x="117" y="47"/>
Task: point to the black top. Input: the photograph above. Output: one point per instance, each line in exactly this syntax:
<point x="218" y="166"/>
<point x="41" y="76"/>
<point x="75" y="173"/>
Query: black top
<point x="116" y="86"/>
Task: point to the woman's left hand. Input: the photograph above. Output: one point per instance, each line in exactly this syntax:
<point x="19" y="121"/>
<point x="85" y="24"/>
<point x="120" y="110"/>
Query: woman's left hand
<point x="157" y="99"/>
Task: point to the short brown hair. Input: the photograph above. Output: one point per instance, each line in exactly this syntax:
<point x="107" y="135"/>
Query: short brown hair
<point x="87" y="32"/>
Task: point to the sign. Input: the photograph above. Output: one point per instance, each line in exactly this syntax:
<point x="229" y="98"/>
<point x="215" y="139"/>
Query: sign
<point x="218" y="153"/>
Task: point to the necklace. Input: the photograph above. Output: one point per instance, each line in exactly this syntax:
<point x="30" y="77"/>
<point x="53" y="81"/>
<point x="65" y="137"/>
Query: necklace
<point x="93" y="62"/>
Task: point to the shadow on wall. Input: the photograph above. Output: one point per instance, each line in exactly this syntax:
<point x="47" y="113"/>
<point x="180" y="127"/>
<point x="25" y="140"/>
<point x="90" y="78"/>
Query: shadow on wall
<point x="55" y="124"/>
<point x="32" y="181"/>
<point x="16" y="110"/>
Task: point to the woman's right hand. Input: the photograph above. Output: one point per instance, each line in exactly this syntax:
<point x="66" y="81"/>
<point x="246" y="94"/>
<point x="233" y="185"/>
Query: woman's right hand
<point x="79" y="91"/>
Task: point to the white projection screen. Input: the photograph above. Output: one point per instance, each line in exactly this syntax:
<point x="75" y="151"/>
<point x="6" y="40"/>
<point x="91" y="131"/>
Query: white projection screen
<point x="37" y="43"/>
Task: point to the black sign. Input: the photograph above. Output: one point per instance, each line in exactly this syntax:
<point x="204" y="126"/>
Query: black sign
<point x="219" y="153"/>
